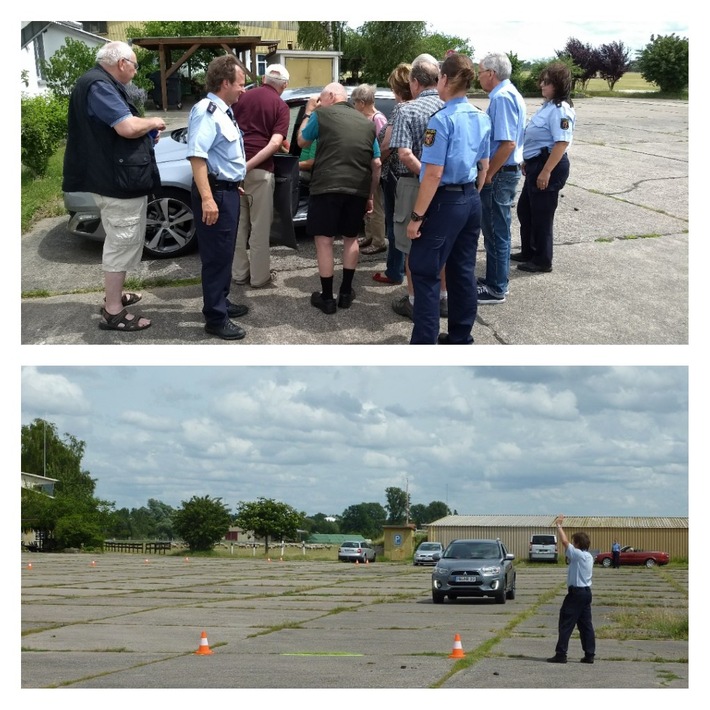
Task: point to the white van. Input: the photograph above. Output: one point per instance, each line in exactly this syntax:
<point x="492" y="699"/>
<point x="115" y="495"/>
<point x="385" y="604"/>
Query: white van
<point x="543" y="548"/>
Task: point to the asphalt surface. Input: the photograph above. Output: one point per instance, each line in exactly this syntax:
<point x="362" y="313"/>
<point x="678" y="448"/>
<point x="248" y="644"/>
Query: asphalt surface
<point x="127" y="621"/>
<point x="620" y="270"/>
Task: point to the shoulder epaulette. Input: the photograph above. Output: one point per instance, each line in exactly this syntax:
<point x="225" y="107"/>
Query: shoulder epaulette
<point x="212" y="107"/>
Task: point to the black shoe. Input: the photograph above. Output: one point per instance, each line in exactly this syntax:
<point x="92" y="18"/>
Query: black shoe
<point x="519" y="257"/>
<point x="557" y="659"/>
<point x="587" y="659"/>
<point x="327" y="305"/>
<point x="345" y="300"/>
<point x="532" y="267"/>
<point x="236" y="310"/>
<point x="443" y="339"/>
<point x="228" y="331"/>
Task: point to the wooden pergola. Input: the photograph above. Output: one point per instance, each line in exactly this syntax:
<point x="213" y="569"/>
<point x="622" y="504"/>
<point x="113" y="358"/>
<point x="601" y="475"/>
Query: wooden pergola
<point x="240" y="46"/>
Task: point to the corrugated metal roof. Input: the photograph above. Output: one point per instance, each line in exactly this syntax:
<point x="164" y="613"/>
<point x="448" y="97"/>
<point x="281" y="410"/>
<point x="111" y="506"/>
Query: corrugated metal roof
<point x="573" y="521"/>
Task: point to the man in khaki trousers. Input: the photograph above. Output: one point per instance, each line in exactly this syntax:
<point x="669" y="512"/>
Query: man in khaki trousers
<point x="263" y="118"/>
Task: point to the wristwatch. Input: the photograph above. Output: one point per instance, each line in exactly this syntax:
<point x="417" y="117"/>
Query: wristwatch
<point x="305" y="116"/>
<point x="416" y="217"/>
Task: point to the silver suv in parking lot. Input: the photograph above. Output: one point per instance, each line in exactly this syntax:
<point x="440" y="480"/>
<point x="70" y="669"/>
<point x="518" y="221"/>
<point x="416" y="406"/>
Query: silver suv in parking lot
<point x="474" y="568"/>
<point x="425" y="553"/>
<point x="356" y="551"/>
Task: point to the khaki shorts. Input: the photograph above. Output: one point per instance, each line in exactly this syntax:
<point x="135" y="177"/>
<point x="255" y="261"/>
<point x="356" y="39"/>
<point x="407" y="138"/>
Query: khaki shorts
<point x="405" y="197"/>
<point x="124" y="221"/>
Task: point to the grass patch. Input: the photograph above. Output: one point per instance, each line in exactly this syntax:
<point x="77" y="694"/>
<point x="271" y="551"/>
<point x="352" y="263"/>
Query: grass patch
<point x="647" y="623"/>
<point x="641" y="236"/>
<point x="42" y="197"/>
<point x="277" y="627"/>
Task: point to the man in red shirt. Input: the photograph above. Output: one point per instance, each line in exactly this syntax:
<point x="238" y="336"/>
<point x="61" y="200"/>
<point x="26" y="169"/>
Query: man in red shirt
<point x="263" y="119"/>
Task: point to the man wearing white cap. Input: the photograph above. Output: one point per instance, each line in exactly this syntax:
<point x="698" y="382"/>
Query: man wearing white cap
<point x="263" y="119"/>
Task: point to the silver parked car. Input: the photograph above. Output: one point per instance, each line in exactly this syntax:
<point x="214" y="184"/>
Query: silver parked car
<point x="425" y="553"/>
<point x="474" y="568"/>
<point x="170" y="227"/>
<point x="357" y="551"/>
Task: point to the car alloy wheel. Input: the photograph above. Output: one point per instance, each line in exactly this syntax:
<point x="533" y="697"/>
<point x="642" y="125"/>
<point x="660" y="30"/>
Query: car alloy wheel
<point x="170" y="224"/>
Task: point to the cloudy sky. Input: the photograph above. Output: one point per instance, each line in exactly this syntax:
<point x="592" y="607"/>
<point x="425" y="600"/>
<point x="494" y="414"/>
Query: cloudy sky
<point x="506" y="440"/>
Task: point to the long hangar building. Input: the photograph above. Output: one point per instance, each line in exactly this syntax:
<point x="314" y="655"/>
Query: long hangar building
<point x="514" y="531"/>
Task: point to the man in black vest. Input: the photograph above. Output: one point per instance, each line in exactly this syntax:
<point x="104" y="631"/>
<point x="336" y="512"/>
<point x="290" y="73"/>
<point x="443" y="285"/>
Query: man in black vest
<point x="110" y="154"/>
<point x="346" y="174"/>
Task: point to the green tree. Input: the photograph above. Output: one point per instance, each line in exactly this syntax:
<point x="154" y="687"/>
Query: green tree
<point x="613" y="62"/>
<point x="366" y="519"/>
<point x="268" y="518"/>
<point x="66" y="65"/>
<point x="438" y="44"/>
<point x="354" y="55"/>
<point x="318" y="523"/>
<point x="664" y="62"/>
<point x="386" y="44"/>
<point x="201" y="522"/>
<point x="436" y="510"/>
<point x="320" y="35"/>
<point x="397" y="505"/>
<point x="418" y="514"/>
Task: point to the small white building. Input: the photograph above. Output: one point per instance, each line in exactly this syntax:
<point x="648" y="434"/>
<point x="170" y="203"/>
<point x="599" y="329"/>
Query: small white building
<point x="40" y="40"/>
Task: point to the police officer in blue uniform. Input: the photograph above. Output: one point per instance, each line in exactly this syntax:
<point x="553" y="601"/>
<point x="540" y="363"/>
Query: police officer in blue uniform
<point x="446" y="220"/>
<point x="216" y="153"/>
<point x="547" y="137"/>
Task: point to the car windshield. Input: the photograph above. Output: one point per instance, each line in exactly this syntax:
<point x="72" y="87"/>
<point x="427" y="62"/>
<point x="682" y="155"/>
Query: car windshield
<point x="428" y="547"/>
<point x="472" y="550"/>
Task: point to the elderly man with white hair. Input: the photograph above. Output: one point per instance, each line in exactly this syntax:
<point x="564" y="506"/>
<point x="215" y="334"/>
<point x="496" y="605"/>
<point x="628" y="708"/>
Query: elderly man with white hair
<point x="346" y="174"/>
<point x="263" y="119"/>
<point x="109" y="153"/>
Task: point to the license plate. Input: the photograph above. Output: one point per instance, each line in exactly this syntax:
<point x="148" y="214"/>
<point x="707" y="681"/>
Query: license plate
<point x="464" y="578"/>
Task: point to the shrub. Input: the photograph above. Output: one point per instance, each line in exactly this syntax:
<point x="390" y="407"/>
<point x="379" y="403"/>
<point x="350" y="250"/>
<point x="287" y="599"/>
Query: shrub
<point x="664" y="62"/>
<point x="43" y="125"/>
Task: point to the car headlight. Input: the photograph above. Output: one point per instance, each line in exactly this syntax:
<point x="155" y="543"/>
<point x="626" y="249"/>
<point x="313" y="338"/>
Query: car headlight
<point x="490" y="571"/>
<point x="440" y="570"/>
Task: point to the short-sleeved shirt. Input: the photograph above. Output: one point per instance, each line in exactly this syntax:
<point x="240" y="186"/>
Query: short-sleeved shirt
<point x="261" y="113"/>
<point x="457" y="137"/>
<point x="507" y="112"/>
<point x="212" y="135"/>
<point x="106" y="104"/>
<point x="411" y="122"/>
<point x="309" y="152"/>
<point x="581" y="563"/>
<point x="551" y="124"/>
<point x="312" y="130"/>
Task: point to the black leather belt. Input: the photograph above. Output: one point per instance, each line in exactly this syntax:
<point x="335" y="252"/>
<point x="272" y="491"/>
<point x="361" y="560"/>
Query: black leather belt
<point x="509" y="169"/>
<point x="455" y="188"/>
<point x="222" y="184"/>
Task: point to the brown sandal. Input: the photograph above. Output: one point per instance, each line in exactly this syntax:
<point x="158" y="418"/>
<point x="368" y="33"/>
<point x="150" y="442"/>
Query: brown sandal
<point x="120" y="321"/>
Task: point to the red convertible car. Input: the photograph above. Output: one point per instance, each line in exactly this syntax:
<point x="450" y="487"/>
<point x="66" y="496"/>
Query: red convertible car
<point x="631" y="556"/>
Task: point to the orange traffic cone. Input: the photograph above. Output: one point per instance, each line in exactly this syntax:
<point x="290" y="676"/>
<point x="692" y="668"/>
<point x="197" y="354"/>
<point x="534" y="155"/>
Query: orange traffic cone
<point x="204" y="648"/>
<point x="458" y="648"/>
<point x="29" y="565"/>
<point x="357" y="562"/>
<point x="93" y="563"/>
<point x="187" y="559"/>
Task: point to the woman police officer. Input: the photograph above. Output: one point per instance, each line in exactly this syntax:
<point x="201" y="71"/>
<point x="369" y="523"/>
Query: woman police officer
<point x="446" y="219"/>
<point x="546" y="167"/>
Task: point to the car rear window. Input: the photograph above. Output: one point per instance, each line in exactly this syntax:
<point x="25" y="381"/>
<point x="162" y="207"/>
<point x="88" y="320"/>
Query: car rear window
<point x="543" y="540"/>
<point x="351" y="544"/>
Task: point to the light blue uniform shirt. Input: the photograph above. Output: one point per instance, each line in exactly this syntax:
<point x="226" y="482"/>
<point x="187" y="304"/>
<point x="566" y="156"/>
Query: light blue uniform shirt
<point x="212" y="135"/>
<point x="457" y="137"/>
<point x="581" y="563"/>
<point x="507" y="113"/>
<point x="551" y="124"/>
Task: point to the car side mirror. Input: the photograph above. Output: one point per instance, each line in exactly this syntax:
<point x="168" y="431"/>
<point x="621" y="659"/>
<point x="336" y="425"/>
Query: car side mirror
<point x="436" y="556"/>
<point x="510" y="556"/>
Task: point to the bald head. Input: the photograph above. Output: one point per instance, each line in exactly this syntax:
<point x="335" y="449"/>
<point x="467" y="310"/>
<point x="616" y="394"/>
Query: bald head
<point x="332" y="94"/>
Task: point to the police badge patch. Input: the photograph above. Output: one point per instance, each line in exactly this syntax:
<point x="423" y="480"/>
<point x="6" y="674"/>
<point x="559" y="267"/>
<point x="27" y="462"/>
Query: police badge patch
<point x="564" y="124"/>
<point x="429" y="137"/>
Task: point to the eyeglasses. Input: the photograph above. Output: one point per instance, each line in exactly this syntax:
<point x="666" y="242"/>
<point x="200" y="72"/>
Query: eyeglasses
<point x="135" y="64"/>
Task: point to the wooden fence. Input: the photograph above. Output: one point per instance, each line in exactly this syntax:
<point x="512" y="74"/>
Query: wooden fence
<point x="157" y="548"/>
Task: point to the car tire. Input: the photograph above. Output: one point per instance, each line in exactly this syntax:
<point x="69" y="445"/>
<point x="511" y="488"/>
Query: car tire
<point x="606" y="562"/>
<point x="511" y="592"/>
<point x="170" y="227"/>
<point x="437" y="597"/>
<point x="650" y="563"/>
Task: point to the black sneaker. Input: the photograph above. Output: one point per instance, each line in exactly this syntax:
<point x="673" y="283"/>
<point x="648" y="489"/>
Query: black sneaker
<point x="345" y="300"/>
<point x="557" y="659"/>
<point x="485" y="296"/>
<point x="481" y="281"/>
<point x="236" y="310"/>
<point x="228" y="331"/>
<point x="327" y="305"/>
<point x="533" y="268"/>
<point x="587" y="659"/>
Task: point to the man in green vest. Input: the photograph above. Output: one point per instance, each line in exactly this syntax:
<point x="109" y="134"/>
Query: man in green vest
<point x="346" y="174"/>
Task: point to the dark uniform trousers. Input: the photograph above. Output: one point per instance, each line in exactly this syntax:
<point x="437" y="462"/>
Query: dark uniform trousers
<point x="449" y="236"/>
<point x="536" y="209"/>
<point x="576" y="611"/>
<point x="216" y="243"/>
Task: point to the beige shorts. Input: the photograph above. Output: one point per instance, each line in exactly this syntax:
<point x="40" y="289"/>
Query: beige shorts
<point x="405" y="197"/>
<point x="124" y="221"/>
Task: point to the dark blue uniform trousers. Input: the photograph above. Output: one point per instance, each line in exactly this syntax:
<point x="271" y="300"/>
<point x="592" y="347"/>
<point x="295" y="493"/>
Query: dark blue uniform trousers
<point x="576" y="611"/>
<point x="536" y="209"/>
<point x="216" y="244"/>
<point x="449" y="235"/>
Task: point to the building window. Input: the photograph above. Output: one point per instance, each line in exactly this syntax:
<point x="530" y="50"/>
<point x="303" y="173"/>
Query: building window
<point x="39" y="55"/>
<point x="260" y="64"/>
<point x="97" y="28"/>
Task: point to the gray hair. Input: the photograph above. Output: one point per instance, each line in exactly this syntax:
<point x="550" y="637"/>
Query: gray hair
<point x="499" y="63"/>
<point x="364" y="93"/>
<point x="276" y="81"/>
<point x="111" y="53"/>
<point x="425" y="69"/>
